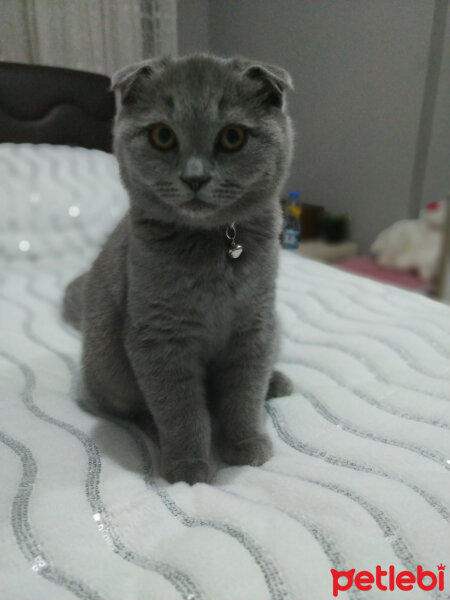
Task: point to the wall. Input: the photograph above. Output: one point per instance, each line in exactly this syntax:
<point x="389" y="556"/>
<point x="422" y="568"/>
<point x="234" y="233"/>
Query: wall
<point x="359" y="69"/>
<point x="437" y="172"/>
<point x="192" y="26"/>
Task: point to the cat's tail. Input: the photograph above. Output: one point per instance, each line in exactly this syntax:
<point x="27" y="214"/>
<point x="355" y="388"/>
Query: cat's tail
<point x="73" y="302"/>
<point x="279" y="385"/>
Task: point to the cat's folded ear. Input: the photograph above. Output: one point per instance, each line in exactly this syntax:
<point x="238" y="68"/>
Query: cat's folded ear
<point x="274" y="81"/>
<point x="130" y="80"/>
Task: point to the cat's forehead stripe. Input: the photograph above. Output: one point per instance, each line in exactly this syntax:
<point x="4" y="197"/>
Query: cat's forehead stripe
<point x="168" y="102"/>
<point x="207" y="108"/>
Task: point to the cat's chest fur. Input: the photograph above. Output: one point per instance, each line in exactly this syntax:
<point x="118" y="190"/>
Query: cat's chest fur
<point x="187" y="285"/>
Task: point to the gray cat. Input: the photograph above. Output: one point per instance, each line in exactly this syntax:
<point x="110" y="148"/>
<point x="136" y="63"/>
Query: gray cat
<point x="177" y="312"/>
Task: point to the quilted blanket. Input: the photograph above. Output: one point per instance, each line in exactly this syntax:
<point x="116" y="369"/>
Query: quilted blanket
<point x="360" y="479"/>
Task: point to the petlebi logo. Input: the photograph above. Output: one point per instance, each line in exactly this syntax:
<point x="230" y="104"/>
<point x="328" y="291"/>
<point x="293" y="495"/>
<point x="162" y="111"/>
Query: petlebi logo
<point x="388" y="579"/>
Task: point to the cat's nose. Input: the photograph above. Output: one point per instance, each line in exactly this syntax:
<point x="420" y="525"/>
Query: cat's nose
<point x="195" y="182"/>
<point x="195" y="173"/>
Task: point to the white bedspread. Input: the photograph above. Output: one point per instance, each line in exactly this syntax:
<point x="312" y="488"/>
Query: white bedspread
<point x="361" y="472"/>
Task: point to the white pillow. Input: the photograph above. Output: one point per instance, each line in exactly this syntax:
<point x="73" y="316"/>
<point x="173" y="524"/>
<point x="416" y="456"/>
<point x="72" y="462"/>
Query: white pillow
<point x="55" y="199"/>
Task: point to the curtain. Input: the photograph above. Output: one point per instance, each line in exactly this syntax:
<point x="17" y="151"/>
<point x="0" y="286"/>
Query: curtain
<point x="91" y="35"/>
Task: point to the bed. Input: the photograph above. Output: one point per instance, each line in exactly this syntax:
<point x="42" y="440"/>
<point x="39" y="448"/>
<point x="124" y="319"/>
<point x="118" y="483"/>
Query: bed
<point x="361" y="471"/>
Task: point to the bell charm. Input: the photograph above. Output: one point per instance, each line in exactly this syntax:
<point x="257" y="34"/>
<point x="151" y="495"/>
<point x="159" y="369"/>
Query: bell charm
<point x="235" y="251"/>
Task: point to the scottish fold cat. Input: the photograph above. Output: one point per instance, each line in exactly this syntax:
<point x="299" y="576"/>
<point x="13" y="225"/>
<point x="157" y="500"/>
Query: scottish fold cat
<point x="177" y="311"/>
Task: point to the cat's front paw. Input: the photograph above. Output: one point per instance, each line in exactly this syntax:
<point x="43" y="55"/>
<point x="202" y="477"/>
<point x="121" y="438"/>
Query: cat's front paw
<point x="254" y="451"/>
<point x="189" y="470"/>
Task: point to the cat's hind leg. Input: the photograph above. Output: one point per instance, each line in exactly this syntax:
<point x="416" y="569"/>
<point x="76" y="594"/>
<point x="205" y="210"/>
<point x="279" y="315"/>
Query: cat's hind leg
<point x="109" y="384"/>
<point x="73" y="302"/>
<point x="279" y="385"/>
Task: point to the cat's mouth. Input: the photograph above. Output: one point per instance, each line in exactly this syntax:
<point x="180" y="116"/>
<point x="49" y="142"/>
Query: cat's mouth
<point x="197" y="205"/>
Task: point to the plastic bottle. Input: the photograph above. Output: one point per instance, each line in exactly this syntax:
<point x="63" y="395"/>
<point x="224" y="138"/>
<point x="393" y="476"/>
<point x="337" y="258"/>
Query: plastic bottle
<point x="291" y="232"/>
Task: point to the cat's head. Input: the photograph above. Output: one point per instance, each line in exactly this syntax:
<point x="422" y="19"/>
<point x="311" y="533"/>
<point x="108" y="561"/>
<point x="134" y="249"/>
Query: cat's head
<point x="202" y="140"/>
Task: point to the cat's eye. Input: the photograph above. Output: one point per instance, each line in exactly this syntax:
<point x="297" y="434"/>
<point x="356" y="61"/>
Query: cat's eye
<point x="232" y="138"/>
<point x="162" y="137"/>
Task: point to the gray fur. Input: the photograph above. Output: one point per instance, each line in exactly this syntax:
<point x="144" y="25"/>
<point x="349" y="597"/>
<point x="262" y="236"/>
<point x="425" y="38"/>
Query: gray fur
<point x="171" y="324"/>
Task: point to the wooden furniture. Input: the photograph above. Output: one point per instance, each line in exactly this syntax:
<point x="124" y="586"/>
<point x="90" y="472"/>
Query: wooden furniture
<point x="443" y="280"/>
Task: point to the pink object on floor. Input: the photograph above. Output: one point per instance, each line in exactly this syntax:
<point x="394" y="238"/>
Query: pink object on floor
<point x="366" y="266"/>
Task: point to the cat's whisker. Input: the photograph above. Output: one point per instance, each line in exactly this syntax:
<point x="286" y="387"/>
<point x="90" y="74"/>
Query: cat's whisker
<point x="221" y="195"/>
<point x="230" y="184"/>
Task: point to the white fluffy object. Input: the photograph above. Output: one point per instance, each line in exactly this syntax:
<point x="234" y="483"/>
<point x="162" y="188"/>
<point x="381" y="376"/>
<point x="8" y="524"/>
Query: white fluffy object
<point x="414" y="244"/>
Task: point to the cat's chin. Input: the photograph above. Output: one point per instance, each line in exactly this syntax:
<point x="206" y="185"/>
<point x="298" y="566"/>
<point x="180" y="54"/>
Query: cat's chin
<point x="197" y="206"/>
<point x="199" y="212"/>
<point x="204" y="218"/>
